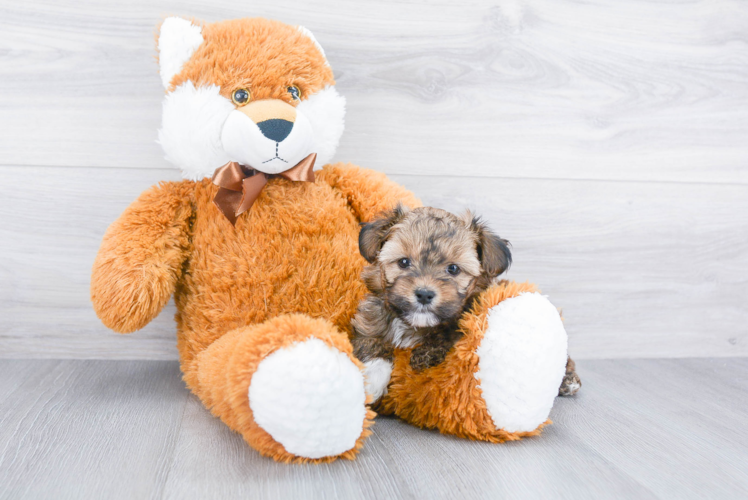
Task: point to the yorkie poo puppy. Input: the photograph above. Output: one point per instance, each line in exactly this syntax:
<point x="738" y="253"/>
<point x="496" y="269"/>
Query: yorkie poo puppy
<point x="427" y="266"/>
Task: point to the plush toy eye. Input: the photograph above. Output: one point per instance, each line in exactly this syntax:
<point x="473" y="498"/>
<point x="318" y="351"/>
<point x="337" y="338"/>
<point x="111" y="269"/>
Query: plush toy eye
<point x="403" y="263"/>
<point x="240" y="97"/>
<point x="453" y="269"/>
<point x="295" y="92"/>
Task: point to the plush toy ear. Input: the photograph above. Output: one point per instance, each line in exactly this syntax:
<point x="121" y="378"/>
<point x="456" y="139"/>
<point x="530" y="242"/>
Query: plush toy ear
<point x="178" y="39"/>
<point x="304" y="31"/>
<point x="375" y="233"/>
<point x="493" y="252"/>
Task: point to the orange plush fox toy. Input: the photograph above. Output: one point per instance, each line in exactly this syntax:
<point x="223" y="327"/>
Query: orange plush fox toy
<point x="261" y="254"/>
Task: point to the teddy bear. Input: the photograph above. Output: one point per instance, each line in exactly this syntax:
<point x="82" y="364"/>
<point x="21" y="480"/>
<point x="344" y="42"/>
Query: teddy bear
<point x="260" y="252"/>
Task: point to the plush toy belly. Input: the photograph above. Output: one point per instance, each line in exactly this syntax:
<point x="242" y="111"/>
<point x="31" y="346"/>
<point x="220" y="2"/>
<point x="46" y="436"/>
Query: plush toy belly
<point x="295" y="251"/>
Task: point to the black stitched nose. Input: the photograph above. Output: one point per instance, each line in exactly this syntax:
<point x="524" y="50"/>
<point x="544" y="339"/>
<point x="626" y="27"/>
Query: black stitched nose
<point x="425" y="296"/>
<point x="275" y="129"/>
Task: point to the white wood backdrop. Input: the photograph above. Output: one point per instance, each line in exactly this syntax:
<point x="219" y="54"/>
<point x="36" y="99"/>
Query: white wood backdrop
<point x="608" y="140"/>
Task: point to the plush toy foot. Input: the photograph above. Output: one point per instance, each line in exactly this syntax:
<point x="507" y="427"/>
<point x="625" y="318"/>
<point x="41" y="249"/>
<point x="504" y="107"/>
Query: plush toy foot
<point x="290" y="386"/>
<point x="522" y="358"/>
<point x="499" y="381"/>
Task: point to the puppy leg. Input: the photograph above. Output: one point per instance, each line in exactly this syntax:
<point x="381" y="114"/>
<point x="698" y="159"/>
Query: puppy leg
<point x="377" y="358"/>
<point x="425" y="356"/>
<point x="571" y="382"/>
<point x="370" y="326"/>
<point x="377" y="373"/>
<point x="428" y="355"/>
<point x="435" y="348"/>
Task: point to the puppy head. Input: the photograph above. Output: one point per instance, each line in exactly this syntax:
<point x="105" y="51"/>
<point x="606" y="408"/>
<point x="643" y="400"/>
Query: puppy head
<point x="428" y="262"/>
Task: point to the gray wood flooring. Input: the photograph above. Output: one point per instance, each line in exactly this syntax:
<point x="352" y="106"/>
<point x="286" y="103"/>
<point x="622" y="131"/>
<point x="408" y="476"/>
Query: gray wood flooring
<point x="605" y="139"/>
<point x="129" y="429"/>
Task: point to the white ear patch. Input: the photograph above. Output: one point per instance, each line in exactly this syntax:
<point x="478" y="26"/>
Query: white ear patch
<point x="177" y="41"/>
<point x="191" y="126"/>
<point x="326" y="112"/>
<point x="310" y="35"/>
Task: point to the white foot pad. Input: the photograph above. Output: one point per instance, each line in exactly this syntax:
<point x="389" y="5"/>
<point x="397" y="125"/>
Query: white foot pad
<point x="377" y="373"/>
<point x="522" y="360"/>
<point x="310" y="398"/>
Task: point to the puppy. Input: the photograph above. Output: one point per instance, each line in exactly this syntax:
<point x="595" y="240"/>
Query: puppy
<point x="427" y="266"/>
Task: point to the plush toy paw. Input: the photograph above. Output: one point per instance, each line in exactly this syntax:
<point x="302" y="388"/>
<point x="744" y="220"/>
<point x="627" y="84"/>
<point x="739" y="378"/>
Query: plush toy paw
<point x="521" y="361"/>
<point x="310" y="398"/>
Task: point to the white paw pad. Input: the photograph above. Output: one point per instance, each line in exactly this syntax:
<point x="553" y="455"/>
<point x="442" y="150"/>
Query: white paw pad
<point x="377" y="373"/>
<point x="573" y="387"/>
<point x="522" y="360"/>
<point x="310" y="398"/>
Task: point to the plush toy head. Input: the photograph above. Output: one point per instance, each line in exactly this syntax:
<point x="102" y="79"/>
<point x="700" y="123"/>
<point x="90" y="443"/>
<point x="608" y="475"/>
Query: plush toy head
<point x="253" y="91"/>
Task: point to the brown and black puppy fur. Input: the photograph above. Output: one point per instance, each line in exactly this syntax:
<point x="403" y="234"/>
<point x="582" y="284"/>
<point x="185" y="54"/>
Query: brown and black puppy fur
<point x="427" y="265"/>
<point x="571" y="382"/>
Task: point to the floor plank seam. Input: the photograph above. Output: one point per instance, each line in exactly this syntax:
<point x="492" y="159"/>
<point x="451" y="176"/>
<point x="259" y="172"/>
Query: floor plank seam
<point x="175" y="445"/>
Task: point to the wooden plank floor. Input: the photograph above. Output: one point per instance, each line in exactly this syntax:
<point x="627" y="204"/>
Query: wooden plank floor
<point x="129" y="429"/>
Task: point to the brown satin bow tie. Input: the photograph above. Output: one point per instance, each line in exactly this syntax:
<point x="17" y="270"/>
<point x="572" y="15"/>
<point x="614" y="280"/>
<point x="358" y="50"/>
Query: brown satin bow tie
<point x="240" y="186"/>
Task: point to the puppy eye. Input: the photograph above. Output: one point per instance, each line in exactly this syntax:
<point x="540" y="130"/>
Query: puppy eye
<point x="453" y="269"/>
<point x="403" y="263"/>
<point x="240" y="97"/>
<point x="295" y="92"/>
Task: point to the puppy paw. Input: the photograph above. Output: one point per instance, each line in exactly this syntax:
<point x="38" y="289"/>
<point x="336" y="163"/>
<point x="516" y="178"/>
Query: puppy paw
<point x="424" y="357"/>
<point x="377" y="373"/>
<point x="570" y="385"/>
<point x="571" y="382"/>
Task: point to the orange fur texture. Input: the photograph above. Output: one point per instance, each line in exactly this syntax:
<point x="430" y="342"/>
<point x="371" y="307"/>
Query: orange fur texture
<point x="226" y="368"/>
<point x="280" y="56"/>
<point x="289" y="270"/>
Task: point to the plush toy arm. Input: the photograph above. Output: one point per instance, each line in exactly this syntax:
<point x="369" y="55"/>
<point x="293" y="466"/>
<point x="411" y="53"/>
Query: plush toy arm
<point x="368" y="192"/>
<point x="140" y="259"/>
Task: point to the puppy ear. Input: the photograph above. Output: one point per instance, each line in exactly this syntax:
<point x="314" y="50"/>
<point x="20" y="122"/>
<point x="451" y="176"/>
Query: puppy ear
<point x="493" y="252"/>
<point x="375" y="233"/>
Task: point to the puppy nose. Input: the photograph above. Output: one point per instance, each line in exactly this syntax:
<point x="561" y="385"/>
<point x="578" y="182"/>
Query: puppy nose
<point x="425" y="296"/>
<point x="275" y="129"/>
